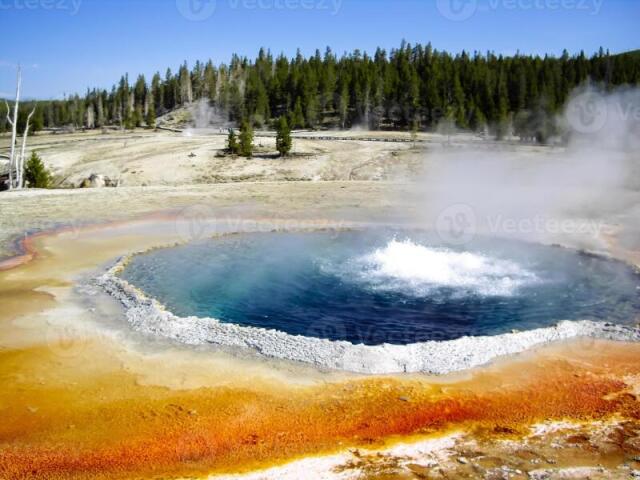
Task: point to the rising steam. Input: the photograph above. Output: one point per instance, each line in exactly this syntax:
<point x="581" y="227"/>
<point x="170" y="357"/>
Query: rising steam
<point x="543" y="193"/>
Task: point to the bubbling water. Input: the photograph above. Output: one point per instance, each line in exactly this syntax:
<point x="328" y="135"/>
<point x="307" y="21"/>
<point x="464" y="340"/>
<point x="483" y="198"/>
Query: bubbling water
<point x="405" y="266"/>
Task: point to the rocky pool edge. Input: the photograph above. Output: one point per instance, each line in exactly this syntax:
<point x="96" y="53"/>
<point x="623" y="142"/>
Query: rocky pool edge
<point x="147" y="315"/>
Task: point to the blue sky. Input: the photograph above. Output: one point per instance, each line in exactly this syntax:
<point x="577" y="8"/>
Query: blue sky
<point x="66" y="46"/>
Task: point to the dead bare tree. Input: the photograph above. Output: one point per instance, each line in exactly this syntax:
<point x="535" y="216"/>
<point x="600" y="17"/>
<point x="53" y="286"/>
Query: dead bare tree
<point x="14" y="127"/>
<point x="16" y="162"/>
<point x="13" y="143"/>
<point x="20" y="172"/>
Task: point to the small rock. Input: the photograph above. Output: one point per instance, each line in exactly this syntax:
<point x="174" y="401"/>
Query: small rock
<point x="539" y="474"/>
<point x="420" y="470"/>
<point x="403" y="399"/>
<point x="463" y="460"/>
<point x="96" y="181"/>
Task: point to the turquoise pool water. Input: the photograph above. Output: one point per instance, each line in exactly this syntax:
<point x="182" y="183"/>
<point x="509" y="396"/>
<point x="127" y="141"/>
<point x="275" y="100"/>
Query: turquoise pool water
<point x="385" y="286"/>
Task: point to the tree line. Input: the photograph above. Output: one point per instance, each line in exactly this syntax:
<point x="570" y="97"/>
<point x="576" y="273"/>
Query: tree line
<point x="413" y="87"/>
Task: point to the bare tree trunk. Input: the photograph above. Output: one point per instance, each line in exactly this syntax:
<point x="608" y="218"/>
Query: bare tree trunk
<point x="90" y="114"/>
<point x="100" y="122"/>
<point x="20" y="173"/>
<point x="14" y="126"/>
<point x="13" y="142"/>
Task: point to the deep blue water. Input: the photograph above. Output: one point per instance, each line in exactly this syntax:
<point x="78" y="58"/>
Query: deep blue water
<point x="382" y="286"/>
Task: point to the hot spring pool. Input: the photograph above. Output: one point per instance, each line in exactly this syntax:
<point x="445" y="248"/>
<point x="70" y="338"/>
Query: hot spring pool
<point x="384" y="286"/>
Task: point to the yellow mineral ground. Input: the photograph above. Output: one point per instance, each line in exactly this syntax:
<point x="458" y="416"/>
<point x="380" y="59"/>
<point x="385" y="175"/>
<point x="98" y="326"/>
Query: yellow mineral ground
<point x="83" y="400"/>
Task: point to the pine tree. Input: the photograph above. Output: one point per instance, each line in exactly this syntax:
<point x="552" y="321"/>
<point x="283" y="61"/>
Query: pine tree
<point x="101" y="118"/>
<point x="137" y="117"/>
<point x="415" y="127"/>
<point x="210" y="81"/>
<point x="478" y="120"/>
<point x="170" y="90"/>
<point x="151" y="115"/>
<point x="283" y="137"/>
<point x="3" y="118"/>
<point x="233" y="147"/>
<point x="343" y="106"/>
<point x="186" y="91"/>
<point x="235" y="103"/>
<point x="129" y="122"/>
<point x="140" y="91"/>
<point x="246" y="139"/>
<point x="297" y="117"/>
<point x="502" y="102"/>
<point x="37" y="122"/>
<point x="35" y="173"/>
<point x="157" y="93"/>
<point x="459" y="103"/>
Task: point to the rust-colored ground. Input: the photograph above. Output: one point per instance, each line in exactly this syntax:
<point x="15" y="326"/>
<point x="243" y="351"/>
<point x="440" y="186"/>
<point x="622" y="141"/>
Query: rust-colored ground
<point x="109" y="426"/>
<point x="81" y="410"/>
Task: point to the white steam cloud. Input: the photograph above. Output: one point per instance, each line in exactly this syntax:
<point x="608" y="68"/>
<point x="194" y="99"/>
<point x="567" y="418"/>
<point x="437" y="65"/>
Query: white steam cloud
<point x="543" y="193"/>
